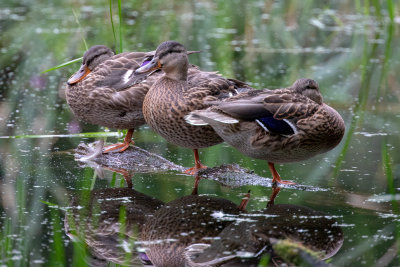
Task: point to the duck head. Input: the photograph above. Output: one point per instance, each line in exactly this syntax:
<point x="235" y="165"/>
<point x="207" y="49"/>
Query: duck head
<point x="91" y="59"/>
<point x="171" y="57"/>
<point x="308" y="88"/>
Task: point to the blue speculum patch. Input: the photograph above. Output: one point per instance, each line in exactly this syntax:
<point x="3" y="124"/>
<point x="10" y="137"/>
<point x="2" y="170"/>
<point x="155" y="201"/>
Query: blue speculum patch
<point x="276" y="126"/>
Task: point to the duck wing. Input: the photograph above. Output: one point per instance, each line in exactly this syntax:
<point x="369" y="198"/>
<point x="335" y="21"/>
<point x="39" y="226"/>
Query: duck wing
<point x="285" y="104"/>
<point x="279" y="104"/>
<point x="210" y="86"/>
<point x="119" y="71"/>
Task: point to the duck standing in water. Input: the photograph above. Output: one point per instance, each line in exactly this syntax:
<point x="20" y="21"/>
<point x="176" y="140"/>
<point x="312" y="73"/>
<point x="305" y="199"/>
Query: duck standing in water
<point x="176" y="93"/>
<point x="105" y="90"/>
<point x="283" y="125"/>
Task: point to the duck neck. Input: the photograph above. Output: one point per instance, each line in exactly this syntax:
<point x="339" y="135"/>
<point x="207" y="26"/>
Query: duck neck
<point x="177" y="75"/>
<point x="178" y="69"/>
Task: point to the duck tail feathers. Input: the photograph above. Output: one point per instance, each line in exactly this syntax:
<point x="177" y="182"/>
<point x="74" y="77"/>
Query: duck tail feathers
<point x="205" y="117"/>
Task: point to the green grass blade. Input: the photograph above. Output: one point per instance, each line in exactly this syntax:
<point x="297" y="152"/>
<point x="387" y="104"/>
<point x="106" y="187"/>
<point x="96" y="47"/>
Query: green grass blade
<point x="74" y="60"/>
<point x="57" y="252"/>
<point x="113" y="179"/>
<point x="388" y="170"/>
<point x="122" y="181"/>
<point x="79" y="135"/>
<point x="49" y="204"/>
<point x="390" y="8"/>
<point x="80" y="29"/>
<point x="120" y="27"/>
<point x="62" y="65"/>
<point x="387" y="167"/>
<point x="6" y="241"/>
<point x="93" y="182"/>
<point x="378" y="11"/>
<point x="112" y="24"/>
<point x="366" y="8"/>
<point x="264" y="261"/>
<point x="360" y="105"/>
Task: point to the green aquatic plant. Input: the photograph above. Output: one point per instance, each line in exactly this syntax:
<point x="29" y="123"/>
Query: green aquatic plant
<point x="121" y="47"/>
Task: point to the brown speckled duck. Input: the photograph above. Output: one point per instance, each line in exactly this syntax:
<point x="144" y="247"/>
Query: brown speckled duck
<point x="283" y="125"/>
<point x="106" y="91"/>
<point x="176" y="93"/>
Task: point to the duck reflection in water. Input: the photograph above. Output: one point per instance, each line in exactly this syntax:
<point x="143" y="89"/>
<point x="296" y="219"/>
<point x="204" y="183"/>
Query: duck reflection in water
<point x="185" y="221"/>
<point x="276" y="230"/>
<point x="198" y="230"/>
<point x="97" y="221"/>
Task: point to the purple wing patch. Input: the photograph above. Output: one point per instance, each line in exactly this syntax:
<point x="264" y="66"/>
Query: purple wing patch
<point x="144" y="259"/>
<point x="145" y="63"/>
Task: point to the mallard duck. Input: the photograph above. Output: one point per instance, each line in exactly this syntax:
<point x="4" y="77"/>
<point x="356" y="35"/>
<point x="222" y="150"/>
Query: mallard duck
<point x="283" y="125"/>
<point x="106" y="91"/>
<point x="176" y="93"/>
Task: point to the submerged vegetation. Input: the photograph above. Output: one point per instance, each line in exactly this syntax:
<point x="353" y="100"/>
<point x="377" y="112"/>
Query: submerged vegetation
<point x="349" y="47"/>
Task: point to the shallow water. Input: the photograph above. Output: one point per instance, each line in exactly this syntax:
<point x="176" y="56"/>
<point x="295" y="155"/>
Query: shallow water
<point x="350" y="50"/>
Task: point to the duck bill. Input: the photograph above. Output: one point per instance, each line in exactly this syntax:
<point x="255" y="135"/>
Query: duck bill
<point x="193" y="52"/>
<point x="151" y="66"/>
<point x="79" y="75"/>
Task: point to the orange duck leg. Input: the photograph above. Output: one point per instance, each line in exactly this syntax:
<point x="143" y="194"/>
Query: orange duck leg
<point x="121" y="147"/>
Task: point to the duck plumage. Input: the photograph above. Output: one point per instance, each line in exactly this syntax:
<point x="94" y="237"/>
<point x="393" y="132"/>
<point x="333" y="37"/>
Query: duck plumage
<point x="176" y="93"/>
<point x="106" y="90"/>
<point x="283" y="125"/>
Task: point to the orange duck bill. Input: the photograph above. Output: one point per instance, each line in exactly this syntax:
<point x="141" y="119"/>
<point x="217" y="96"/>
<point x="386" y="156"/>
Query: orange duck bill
<point x="79" y="75"/>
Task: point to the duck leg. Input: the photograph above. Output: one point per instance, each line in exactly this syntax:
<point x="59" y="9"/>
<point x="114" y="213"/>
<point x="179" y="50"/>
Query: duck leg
<point x="276" y="178"/>
<point x="120" y="147"/>
<point x="275" y="192"/>
<point x="245" y="200"/>
<point x="196" y="185"/>
<point x="197" y="164"/>
<point x="126" y="174"/>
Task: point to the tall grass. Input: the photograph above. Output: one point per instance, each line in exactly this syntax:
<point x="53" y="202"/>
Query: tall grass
<point x="121" y="47"/>
<point x="368" y="69"/>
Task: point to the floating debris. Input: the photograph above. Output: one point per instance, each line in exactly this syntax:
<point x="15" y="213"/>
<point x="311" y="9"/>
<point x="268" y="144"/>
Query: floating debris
<point x="233" y="175"/>
<point x="133" y="159"/>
